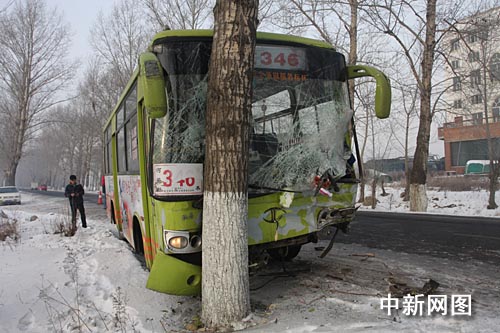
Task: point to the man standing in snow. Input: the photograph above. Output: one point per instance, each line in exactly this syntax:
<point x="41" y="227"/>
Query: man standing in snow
<point x="75" y="192"/>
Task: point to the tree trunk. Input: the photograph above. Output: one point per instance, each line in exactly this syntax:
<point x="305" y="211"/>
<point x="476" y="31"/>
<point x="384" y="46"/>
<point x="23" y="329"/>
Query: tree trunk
<point x="225" y="281"/>
<point x="491" y="149"/>
<point x="407" y="163"/>
<point x="363" y="147"/>
<point x="419" y="171"/>
<point x="406" y="197"/>
<point x="353" y="59"/>
<point x="418" y="197"/>
<point x="493" y="186"/>
<point x="374" y="192"/>
<point x="353" y="44"/>
<point x="10" y="174"/>
<point x="362" y="188"/>
<point x="384" y="193"/>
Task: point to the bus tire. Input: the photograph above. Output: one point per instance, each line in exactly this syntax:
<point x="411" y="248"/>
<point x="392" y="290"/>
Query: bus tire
<point x="285" y="253"/>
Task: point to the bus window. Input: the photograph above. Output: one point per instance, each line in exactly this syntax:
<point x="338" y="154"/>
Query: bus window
<point x="120" y="117"/>
<point x="121" y="151"/>
<point x="131" y="102"/>
<point x="179" y="136"/>
<point x="107" y="157"/>
<point x="132" y="148"/>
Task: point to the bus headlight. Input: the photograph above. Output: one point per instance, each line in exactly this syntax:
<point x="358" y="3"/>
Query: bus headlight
<point x="178" y="242"/>
<point x="195" y="242"/>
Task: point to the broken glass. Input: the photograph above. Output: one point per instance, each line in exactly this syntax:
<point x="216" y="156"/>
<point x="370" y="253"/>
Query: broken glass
<point x="299" y="118"/>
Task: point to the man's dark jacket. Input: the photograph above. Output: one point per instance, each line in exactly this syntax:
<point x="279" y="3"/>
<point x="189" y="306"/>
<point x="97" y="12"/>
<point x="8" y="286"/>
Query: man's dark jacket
<point x="77" y="189"/>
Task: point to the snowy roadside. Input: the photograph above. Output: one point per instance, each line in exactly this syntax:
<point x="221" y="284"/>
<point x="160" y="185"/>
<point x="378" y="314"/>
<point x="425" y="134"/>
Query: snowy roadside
<point x="467" y="203"/>
<point x="93" y="281"/>
<point x="55" y="283"/>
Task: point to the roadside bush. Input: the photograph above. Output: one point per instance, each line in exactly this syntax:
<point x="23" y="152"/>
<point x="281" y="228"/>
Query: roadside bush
<point x="8" y="230"/>
<point x="62" y="225"/>
<point x="458" y="183"/>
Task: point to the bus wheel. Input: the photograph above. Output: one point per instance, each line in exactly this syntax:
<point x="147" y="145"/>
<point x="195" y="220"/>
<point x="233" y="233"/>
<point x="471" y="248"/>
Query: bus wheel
<point x="286" y="253"/>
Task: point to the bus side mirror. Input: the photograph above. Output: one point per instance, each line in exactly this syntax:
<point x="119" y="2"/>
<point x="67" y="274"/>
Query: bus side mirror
<point x="153" y="85"/>
<point x="382" y="92"/>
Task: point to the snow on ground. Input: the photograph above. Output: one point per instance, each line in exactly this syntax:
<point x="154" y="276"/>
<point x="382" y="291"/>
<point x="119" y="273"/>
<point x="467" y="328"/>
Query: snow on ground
<point x="467" y="203"/>
<point x="92" y="282"/>
<point x="53" y="283"/>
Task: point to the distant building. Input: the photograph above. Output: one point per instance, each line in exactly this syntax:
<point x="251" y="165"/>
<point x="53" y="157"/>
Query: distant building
<point x="473" y="71"/>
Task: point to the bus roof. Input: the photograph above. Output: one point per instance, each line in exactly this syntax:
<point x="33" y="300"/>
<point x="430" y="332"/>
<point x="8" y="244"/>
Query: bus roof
<point x="261" y="36"/>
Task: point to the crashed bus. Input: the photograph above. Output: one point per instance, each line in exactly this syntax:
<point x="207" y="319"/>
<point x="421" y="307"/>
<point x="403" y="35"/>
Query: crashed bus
<point x="302" y="177"/>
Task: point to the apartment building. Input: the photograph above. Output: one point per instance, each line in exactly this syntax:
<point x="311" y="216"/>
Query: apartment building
<point x="472" y="98"/>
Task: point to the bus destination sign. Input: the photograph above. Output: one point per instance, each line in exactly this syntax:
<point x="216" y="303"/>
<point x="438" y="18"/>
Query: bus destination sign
<point x="280" y="57"/>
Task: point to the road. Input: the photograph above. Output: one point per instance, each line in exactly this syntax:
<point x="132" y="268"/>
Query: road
<point x="452" y="237"/>
<point x="89" y="197"/>
<point x="92" y="209"/>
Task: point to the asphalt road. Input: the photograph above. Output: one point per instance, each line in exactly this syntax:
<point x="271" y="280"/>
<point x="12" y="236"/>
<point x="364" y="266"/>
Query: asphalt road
<point x="89" y="197"/>
<point x="454" y="237"/>
<point x="92" y="209"/>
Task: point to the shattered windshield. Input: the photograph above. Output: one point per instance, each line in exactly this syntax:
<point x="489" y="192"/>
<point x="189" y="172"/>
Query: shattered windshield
<point x="300" y="112"/>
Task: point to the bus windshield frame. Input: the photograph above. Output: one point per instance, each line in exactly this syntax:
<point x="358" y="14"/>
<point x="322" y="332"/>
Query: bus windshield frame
<point x="300" y="112"/>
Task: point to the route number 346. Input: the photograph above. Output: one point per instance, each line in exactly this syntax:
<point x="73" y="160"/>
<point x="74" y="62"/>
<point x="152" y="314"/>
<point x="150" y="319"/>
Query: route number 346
<point x="283" y="58"/>
<point x="292" y="59"/>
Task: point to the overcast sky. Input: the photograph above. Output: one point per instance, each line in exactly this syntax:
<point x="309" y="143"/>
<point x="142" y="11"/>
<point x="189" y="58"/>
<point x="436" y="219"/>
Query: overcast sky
<point x="82" y="14"/>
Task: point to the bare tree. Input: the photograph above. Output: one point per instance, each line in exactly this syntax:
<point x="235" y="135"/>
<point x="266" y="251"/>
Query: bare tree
<point x="413" y="26"/>
<point x="6" y="6"/>
<point x="180" y="14"/>
<point x="338" y="22"/>
<point x="120" y="37"/>
<point x="33" y="44"/>
<point x="363" y="113"/>
<point x="98" y="98"/>
<point x="225" y="281"/>
<point x="194" y="14"/>
<point x="47" y="153"/>
<point x="409" y="104"/>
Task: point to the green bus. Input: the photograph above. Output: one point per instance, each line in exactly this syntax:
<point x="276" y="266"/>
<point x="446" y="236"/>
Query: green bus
<point x="301" y="173"/>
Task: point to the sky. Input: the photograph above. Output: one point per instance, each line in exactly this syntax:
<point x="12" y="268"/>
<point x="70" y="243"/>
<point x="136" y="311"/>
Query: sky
<point x="82" y="14"/>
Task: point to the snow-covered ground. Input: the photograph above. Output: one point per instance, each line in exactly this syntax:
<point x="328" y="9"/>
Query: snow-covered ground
<point x="92" y="282"/>
<point x="467" y="203"/>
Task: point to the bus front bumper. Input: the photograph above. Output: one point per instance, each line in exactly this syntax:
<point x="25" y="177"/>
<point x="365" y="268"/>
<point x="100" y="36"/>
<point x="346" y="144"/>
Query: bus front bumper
<point x="173" y="276"/>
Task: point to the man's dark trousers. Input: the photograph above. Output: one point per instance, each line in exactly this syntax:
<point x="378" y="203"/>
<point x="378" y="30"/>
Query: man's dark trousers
<point x="77" y="204"/>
